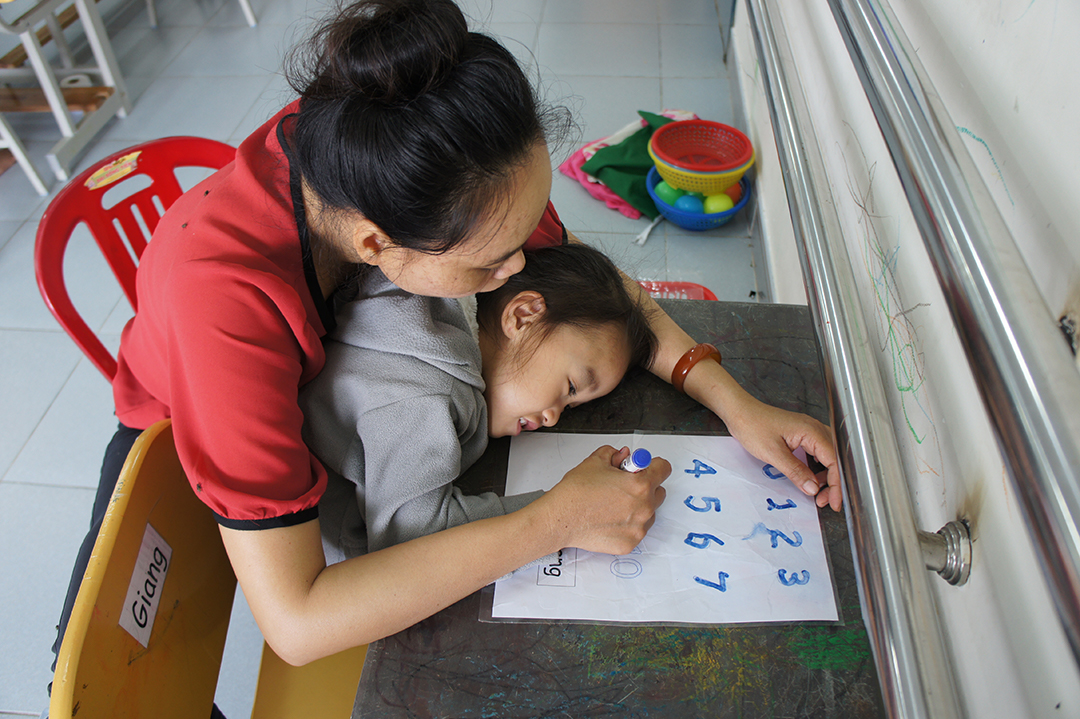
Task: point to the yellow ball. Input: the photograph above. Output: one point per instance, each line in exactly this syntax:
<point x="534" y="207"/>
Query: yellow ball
<point x="718" y="203"/>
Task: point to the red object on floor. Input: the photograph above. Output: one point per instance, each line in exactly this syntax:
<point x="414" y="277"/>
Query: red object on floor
<point x="677" y="290"/>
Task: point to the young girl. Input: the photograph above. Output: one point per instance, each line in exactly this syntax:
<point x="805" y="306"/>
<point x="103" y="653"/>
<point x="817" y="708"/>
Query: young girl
<point x="410" y="392"/>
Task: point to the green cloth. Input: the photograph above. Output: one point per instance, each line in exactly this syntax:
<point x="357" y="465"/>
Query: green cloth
<point x="623" y="167"/>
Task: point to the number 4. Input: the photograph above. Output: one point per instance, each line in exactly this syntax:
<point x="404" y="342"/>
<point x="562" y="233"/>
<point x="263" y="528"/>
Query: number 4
<point x="700" y="468"/>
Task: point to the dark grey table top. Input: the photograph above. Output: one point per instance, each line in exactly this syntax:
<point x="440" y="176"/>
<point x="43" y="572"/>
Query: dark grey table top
<point x="454" y="665"/>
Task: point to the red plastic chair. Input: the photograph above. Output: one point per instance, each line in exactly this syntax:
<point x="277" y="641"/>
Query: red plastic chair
<point x="81" y="202"/>
<point x="677" y="290"/>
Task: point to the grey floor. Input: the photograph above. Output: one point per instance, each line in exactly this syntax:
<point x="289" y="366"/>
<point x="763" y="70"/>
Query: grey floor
<point x="204" y="72"/>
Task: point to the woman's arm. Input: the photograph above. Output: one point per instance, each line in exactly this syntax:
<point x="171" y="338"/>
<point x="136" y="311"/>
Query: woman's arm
<point x="307" y="610"/>
<point x="769" y="433"/>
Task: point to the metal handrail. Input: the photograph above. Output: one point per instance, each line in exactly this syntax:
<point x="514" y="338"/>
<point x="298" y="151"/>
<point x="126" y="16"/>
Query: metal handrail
<point x="1024" y="371"/>
<point x="899" y="608"/>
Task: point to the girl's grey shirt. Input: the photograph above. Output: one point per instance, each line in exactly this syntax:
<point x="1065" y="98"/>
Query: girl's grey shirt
<point x="396" y="415"/>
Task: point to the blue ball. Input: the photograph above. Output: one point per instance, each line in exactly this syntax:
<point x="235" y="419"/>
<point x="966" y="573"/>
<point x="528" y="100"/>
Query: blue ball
<point x="690" y="204"/>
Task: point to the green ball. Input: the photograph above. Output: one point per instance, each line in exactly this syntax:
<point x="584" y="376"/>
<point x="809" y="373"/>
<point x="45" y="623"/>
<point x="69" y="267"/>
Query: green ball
<point x="667" y="193"/>
<point x="718" y="203"/>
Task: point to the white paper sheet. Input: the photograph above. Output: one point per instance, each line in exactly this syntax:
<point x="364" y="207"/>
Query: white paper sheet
<point x="734" y="542"/>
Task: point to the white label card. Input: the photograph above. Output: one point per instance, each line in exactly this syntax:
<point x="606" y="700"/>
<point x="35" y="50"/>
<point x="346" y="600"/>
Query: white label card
<point x="144" y="590"/>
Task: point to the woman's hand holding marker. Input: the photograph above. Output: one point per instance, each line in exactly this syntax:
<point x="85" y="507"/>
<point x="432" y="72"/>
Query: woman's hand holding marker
<point x="587" y="513"/>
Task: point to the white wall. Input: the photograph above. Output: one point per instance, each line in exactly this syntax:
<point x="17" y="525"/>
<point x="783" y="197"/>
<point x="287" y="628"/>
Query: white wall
<point x="1004" y="637"/>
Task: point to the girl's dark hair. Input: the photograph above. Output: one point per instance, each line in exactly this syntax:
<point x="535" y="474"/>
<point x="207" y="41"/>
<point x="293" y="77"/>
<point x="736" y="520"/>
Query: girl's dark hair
<point x="411" y="120"/>
<point x="581" y="287"/>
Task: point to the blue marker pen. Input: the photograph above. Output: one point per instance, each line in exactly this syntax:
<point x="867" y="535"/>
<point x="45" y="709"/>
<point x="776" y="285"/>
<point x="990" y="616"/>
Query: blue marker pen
<point x="638" y="460"/>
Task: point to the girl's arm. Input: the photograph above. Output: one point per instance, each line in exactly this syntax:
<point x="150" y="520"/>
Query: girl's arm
<point x="307" y="610"/>
<point x="769" y="433"/>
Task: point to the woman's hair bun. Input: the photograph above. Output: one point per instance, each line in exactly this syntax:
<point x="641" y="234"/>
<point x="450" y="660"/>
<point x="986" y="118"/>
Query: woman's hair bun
<point x="388" y="51"/>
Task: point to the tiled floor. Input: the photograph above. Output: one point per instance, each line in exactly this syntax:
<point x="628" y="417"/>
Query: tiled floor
<point x="204" y="72"/>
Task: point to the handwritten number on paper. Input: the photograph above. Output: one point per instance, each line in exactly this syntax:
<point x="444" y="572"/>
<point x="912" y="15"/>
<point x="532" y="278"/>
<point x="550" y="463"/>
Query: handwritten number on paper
<point x="700" y="541"/>
<point x="786" y="505"/>
<point x="699" y="469"/>
<point x="710" y="502"/>
<point x="794" y="578"/>
<point x="625" y="567"/>
<point x="721" y="584"/>
<point x="772" y="472"/>
<point x="775" y="535"/>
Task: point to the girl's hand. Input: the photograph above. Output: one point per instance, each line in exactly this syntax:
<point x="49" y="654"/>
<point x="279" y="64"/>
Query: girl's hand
<point x="601" y="508"/>
<point x="771" y="434"/>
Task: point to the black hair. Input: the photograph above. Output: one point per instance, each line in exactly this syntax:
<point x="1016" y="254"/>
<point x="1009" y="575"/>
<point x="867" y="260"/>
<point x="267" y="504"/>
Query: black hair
<point x="581" y="287"/>
<point x="411" y="120"/>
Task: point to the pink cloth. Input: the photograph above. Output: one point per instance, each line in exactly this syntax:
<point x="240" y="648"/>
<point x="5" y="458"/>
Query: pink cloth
<point x="572" y="166"/>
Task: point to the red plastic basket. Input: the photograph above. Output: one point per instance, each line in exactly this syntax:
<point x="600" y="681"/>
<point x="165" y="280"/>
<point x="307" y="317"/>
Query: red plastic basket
<point x="677" y="290"/>
<point x="701" y="146"/>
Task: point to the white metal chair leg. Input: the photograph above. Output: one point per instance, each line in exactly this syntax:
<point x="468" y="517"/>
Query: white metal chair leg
<point x="248" y="12"/>
<point x="245" y="5"/>
<point x="9" y="140"/>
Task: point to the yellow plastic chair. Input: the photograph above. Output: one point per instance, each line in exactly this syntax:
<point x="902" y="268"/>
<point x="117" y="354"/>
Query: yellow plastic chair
<point x="159" y="549"/>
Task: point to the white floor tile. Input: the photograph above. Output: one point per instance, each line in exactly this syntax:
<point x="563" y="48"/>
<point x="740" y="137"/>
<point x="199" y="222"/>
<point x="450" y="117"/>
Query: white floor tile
<point x="251" y="53"/>
<point x="18" y="198"/>
<point x="276" y="95"/>
<point x="34" y="367"/>
<point x="604" y="105"/>
<point x="204" y="106"/>
<point x="642" y="12"/>
<point x="614" y="50"/>
<point x="7" y="229"/>
<point x="690" y="12"/>
<point x="143" y="51"/>
<point x="483" y="12"/>
<point x="581" y="212"/>
<point x="195" y="13"/>
<point x="691" y="51"/>
<point x="520" y="39"/>
<point x="114" y="325"/>
<point x="80" y="421"/>
<point x="710" y="98"/>
<point x="724" y="264"/>
<point x="642" y="262"/>
<point x="271" y="14"/>
<point x="90" y="282"/>
<point x="41" y="533"/>
<point x="240" y="662"/>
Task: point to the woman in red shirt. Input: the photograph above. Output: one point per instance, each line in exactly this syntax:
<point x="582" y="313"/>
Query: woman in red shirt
<point x="419" y="148"/>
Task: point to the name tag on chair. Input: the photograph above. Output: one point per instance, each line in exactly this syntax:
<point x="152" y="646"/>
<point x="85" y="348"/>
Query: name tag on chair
<point x="144" y="590"/>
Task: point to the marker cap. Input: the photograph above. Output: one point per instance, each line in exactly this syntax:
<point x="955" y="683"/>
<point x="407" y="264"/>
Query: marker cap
<point x="638" y="460"/>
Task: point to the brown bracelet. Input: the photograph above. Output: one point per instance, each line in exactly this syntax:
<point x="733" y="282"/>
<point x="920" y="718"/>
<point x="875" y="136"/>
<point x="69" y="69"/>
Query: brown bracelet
<point x="687" y="361"/>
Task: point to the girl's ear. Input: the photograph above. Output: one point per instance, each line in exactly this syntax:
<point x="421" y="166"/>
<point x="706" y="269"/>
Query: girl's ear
<point x="522" y="313"/>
